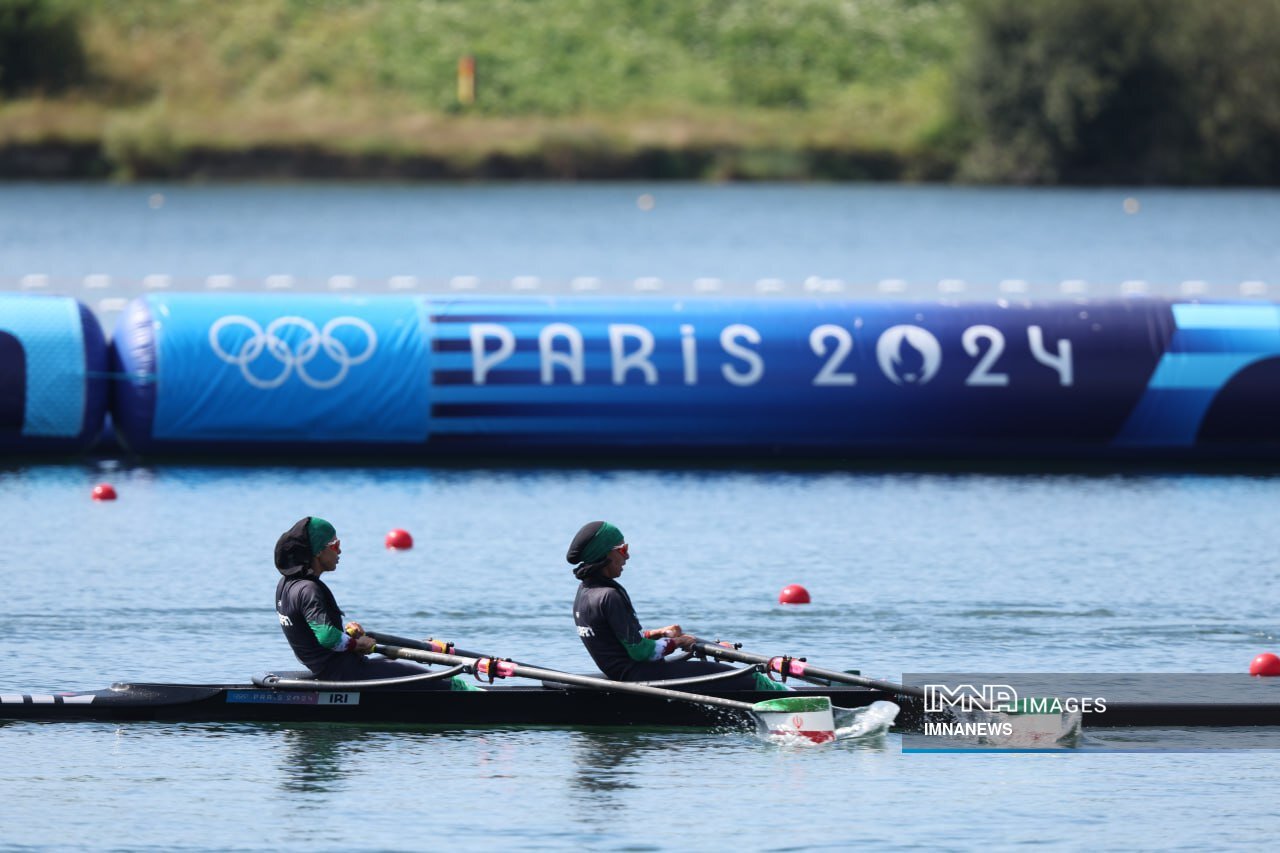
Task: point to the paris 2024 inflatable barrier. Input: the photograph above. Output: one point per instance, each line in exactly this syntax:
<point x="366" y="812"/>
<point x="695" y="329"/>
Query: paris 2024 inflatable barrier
<point x="451" y="375"/>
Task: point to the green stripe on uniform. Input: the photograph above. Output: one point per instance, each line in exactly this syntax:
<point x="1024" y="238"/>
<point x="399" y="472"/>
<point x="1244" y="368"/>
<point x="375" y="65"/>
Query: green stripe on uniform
<point x="640" y="651"/>
<point x="326" y="635"/>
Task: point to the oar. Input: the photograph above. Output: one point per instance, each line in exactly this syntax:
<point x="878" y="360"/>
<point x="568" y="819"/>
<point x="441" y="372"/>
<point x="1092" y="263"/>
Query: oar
<point x="797" y="667"/>
<point x="428" y="645"/>
<point x="807" y="716"/>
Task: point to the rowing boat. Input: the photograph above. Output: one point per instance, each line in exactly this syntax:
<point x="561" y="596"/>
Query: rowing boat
<point x="499" y="704"/>
<point x="291" y="700"/>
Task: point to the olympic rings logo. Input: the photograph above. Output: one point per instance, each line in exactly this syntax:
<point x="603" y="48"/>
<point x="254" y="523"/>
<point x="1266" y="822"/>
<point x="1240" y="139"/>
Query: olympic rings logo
<point x="282" y="351"/>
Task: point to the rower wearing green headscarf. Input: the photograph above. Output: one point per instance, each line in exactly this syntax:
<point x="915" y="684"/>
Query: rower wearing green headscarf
<point x="608" y="626"/>
<point x="313" y="622"/>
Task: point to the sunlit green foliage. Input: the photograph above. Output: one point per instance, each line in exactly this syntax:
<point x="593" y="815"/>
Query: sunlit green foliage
<point x="543" y="56"/>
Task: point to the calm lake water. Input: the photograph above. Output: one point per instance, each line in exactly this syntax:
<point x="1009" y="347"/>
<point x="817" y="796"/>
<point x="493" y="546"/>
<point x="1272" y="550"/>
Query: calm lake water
<point x="909" y="571"/>
<point x="671" y="234"/>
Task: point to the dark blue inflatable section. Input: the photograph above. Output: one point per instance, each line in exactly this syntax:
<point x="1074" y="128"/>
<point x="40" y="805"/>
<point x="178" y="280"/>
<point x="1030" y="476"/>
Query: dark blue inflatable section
<point x="439" y="375"/>
<point x="132" y="358"/>
<point x="53" y="383"/>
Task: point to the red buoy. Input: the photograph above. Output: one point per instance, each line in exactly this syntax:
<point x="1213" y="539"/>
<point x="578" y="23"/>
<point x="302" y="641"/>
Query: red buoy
<point x="1265" y="664"/>
<point x="793" y="594"/>
<point x="399" y="540"/>
<point x="104" y="492"/>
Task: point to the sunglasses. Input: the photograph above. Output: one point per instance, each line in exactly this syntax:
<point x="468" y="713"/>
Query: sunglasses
<point x="336" y="545"/>
<point x="621" y="548"/>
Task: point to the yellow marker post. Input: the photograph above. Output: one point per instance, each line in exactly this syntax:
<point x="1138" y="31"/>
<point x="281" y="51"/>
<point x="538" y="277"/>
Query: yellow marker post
<point x="466" y="80"/>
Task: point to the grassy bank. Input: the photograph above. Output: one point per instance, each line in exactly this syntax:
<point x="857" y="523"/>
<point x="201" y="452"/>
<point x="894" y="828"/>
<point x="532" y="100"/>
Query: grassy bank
<point x="564" y="88"/>
<point x="1090" y="91"/>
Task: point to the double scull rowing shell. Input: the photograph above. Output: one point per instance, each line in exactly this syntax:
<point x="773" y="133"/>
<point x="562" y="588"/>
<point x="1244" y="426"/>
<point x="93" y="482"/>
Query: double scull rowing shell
<point x="503" y="705"/>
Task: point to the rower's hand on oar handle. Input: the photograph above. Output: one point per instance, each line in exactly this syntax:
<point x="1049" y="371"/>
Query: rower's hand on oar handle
<point x="360" y="644"/>
<point x="671" y="631"/>
<point x="683" y="642"/>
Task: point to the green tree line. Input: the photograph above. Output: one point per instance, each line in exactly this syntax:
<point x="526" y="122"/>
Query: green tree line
<point x="1007" y="91"/>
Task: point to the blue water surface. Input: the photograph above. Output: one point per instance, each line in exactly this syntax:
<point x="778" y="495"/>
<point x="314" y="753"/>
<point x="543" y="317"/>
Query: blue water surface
<point x="738" y="233"/>
<point x="909" y="572"/>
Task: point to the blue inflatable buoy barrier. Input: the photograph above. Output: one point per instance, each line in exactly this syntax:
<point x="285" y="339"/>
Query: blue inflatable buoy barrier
<point x="441" y="375"/>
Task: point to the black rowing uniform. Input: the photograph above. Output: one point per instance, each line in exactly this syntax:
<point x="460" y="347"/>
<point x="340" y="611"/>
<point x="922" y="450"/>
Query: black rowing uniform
<point x="609" y="628"/>
<point x="312" y="622"/>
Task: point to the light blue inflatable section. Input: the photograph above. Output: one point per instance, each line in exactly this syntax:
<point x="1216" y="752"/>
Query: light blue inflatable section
<point x="290" y="369"/>
<point x="1212" y="344"/>
<point x="52" y="337"/>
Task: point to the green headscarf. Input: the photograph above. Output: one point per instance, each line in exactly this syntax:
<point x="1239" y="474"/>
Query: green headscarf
<point x="597" y="548"/>
<point x="320" y="533"/>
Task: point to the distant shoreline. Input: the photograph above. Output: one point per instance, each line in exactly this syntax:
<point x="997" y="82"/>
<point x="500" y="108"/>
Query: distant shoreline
<point x="712" y="163"/>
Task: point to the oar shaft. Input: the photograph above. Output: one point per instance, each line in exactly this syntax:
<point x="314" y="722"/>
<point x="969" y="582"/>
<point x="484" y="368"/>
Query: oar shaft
<point x="421" y="645"/>
<point x="520" y="670"/>
<point x="804" y="670"/>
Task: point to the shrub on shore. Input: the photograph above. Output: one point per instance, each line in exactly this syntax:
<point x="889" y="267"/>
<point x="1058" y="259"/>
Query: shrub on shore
<point x="40" y="47"/>
<point x="1144" y="91"/>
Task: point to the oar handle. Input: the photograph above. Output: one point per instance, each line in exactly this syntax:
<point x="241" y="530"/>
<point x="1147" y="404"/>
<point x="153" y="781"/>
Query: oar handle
<point x="440" y="646"/>
<point x="501" y="668"/>
<point x="798" y="667"/>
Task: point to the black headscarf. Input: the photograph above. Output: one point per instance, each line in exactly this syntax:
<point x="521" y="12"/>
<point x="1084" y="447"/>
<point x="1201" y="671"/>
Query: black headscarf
<point x="293" y="550"/>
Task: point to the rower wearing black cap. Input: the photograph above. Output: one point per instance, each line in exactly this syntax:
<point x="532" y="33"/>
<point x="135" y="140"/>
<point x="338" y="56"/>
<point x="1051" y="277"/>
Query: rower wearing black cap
<point x="312" y="621"/>
<point x="609" y="628"/>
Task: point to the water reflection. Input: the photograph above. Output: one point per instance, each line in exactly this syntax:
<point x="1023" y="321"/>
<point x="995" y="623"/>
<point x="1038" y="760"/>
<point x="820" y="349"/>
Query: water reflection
<point x="313" y="758"/>
<point x="605" y="763"/>
<point x="324" y="759"/>
<point x="321" y="759"/>
<point x="609" y="763"/>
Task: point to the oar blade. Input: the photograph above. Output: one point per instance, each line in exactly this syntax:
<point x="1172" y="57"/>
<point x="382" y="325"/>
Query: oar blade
<point x="806" y="718"/>
<point x="1036" y="721"/>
